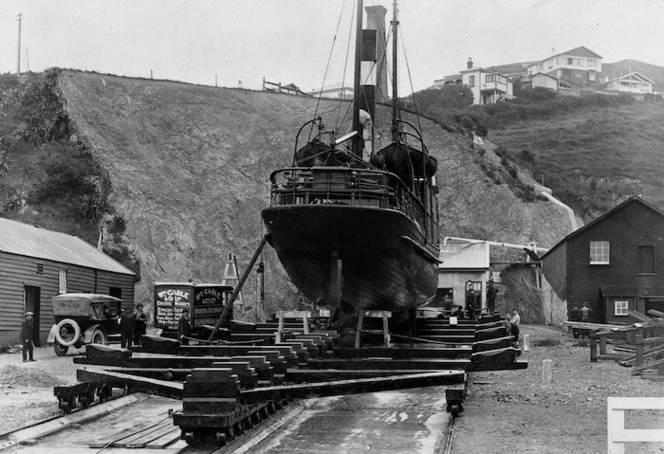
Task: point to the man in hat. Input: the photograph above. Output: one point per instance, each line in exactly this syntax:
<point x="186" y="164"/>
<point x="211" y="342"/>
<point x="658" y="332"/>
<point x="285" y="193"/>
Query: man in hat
<point x="141" y="323"/>
<point x="127" y="325"/>
<point x="491" y="293"/>
<point x="27" y="336"/>
<point x="184" y="327"/>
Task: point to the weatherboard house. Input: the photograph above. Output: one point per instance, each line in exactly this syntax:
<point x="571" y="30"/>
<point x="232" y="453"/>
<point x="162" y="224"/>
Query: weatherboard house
<point x="575" y="68"/>
<point x="488" y="87"/>
<point x="37" y="264"/>
<point x="615" y="263"/>
<point x="633" y="82"/>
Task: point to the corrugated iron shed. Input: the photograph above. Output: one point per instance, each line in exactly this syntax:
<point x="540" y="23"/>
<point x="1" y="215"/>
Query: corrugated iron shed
<point x="30" y="241"/>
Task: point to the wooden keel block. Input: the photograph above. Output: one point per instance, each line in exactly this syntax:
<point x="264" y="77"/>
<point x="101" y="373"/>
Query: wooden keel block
<point x="105" y="351"/>
<point x="491" y="333"/>
<point x="492" y="344"/>
<point x="501" y="355"/>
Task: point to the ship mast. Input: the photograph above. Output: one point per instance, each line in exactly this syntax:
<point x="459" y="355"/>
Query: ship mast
<point x="357" y="142"/>
<point x="395" y="97"/>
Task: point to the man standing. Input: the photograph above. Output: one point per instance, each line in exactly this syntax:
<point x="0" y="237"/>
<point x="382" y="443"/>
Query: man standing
<point x="127" y="325"/>
<point x="575" y="316"/>
<point x="184" y="327"/>
<point x="140" y="327"/>
<point x="491" y="293"/>
<point x="27" y="336"/>
<point x="585" y="312"/>
<point x="515" y="321"/>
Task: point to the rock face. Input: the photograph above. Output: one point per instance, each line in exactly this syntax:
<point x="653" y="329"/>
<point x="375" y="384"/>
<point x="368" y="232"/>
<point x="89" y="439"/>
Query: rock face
<point x="189" y="168"/>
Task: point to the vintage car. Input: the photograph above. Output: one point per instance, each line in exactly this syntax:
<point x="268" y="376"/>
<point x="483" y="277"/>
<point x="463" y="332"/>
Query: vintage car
<point x="83" y="318"/>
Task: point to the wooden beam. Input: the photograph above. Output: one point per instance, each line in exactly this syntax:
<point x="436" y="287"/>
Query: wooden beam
<point x="639" y="316"/>
<point x="320" y="375"/>
<point x="592" y="326"/>
<point x="404" y="353"/>
<point x="133" y="383"/>
<point x="356" y="386"/>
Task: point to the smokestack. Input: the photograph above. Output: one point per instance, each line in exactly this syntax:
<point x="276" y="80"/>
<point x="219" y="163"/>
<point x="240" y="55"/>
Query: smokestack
<point x="376" y="21"/>
<point x="470" y="63"/>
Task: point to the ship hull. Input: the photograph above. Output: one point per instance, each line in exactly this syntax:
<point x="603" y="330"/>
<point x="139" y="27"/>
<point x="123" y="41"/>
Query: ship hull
<point x="379" y="253"/>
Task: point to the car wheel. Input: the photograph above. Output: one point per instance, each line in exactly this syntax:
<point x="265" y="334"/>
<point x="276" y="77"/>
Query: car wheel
<point x="60" y="350"/>
<point x="68" y="332"/>
<point x="98" y="337"/>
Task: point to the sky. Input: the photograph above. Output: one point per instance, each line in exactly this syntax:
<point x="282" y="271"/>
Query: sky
<point x="240" y="42"/>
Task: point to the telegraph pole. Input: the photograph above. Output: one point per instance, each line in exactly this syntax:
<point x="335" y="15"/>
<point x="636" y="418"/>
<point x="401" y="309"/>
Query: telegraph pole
<point x="18" y="55"/>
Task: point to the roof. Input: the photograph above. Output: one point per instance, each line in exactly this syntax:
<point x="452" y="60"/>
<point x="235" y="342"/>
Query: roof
<point x="30" y="241"/>
<point x="580" y="51"/>
<point x="633" y="73"/>
<point x="633" y="199"/>
<point x="617" y="290"/>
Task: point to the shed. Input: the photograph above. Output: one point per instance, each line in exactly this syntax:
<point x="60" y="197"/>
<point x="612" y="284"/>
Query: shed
<point x="615" y="263"/>
<point x="37" y="264"/>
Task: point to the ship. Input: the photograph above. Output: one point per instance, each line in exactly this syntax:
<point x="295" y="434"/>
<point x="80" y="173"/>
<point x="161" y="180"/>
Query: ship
<point x="357" y="229"/>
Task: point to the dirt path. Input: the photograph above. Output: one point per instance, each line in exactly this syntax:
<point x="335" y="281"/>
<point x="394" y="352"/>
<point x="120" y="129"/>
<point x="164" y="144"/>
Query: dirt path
<point x="512" y="411"/>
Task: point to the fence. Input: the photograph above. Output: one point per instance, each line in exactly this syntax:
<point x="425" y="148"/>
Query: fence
<point x="617" y="434"/>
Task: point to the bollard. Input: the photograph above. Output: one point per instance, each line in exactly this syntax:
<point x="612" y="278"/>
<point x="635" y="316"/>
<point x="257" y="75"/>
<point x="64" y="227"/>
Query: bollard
<point x="526" y="342"/>
<point x="547" y="372"/>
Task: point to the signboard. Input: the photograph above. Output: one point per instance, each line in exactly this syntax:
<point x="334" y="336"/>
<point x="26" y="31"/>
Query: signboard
<point x="205" y="302"/>
<point x="209" y="303"/>
<point x="169" y="300"/>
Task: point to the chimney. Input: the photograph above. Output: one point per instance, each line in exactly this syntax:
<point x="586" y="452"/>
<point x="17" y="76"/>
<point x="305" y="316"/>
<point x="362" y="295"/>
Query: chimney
<point x="469" y="63"/>
<point x="553" y="51"/>
<point x="376" y="21"/>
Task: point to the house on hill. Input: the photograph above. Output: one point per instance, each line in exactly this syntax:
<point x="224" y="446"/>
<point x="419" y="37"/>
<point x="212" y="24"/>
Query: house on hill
<point x="334" y="91"/>
<point x="633" y="82"/>
<point x="488" y="87"/>
<point x="615" y="263"/>
<point x="37" y="264"/>
<point x="575" y="68"/>
<point x="540" y="80"/>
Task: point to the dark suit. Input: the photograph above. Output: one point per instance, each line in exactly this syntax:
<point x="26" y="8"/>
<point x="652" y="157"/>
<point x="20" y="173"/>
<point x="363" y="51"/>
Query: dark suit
<point x="27" y="336"/>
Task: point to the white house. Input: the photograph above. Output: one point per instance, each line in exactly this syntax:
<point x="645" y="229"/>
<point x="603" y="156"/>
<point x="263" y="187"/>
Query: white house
<point x="464" y="265"/>
<point x="633" y="82"/>
<point x="334" y="91"/>
<point x="578" y="67"/>
<point x="540" y="80"/>
<point x="488" y="87"/>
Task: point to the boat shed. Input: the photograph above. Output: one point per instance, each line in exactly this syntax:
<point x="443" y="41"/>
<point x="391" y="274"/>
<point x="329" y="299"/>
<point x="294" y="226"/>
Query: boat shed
<point x="37" y="264"/>
<point x="615" y="263"/>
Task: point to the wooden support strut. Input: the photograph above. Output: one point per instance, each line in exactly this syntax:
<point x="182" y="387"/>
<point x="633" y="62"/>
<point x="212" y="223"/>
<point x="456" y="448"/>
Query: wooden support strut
<point x="237" y="289"/>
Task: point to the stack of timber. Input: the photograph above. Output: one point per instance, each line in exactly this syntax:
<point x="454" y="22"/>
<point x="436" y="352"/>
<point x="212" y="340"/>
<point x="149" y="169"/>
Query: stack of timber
<point x="227" y="388"/>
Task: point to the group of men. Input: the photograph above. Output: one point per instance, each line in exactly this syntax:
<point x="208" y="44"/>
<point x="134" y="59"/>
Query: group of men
<point x="133" y="325"/>
<point x="580" y="315"/>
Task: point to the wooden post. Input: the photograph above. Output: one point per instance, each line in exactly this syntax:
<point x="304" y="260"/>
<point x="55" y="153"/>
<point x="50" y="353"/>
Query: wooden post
<point x="593" y="348"/>
<point x="358" y="333"/>
<point x="280" y="329"/>
<point x="386" y="331"/>
<point x="526" y="342"/>
<point x="305" y="322"/>
<point x="602" y="345"/>
<point x="638" y="340"/>
<point x="547" y="371"/>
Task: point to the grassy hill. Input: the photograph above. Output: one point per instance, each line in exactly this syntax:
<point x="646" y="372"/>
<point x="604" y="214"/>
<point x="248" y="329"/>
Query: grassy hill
<point x="175" y="175"/>
<point x="594" y="157"/>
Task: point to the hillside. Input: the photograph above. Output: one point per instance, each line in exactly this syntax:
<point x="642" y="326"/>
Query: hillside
<point x="623" y="67"/>
<point x="186" y="172"/>
<point x="593" y="158"/>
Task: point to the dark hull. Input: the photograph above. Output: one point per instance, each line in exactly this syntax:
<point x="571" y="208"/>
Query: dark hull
<point x="383" y="266"/>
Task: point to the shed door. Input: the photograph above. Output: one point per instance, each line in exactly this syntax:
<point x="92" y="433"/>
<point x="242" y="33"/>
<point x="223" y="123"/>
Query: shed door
<point x="32" y="304"/>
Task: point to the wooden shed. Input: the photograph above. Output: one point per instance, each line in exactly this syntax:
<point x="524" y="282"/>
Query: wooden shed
<point x="615" y="263"/>
<point x="37" y="264"/>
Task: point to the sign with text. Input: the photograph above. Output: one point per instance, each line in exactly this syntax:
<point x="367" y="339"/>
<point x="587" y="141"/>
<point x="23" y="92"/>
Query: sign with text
<point x="209" y="303"/>
<point x="169" y="300"/>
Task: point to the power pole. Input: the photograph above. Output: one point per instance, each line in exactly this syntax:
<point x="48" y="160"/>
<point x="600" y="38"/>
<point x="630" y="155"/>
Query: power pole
<point x="18" y="56"/>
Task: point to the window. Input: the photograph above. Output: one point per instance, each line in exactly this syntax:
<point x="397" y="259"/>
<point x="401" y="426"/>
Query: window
<point x="646" y="259"/>
<point x="471" y="81"/>
<point x="620" y="307"/>
<point x="599" y="253"/>
<point x="40" y="268"/>
<point x="63" y="281"/>
<point x="592" y="63"/>
<point x="591" y="77"/>
<point x="490" y="77"/>
<point x="115" y="292"/>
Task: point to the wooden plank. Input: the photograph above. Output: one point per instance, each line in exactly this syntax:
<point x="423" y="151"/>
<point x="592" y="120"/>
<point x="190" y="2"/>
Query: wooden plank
<point x="133" y="383"/>
<point x="321" y="375"/>
<point x="647" y="366"/>
<point x="639" y="316"/>
<point x="165" y="440"/>
<point x="142" y="433"/>
<point x="153" y="435"/>
<point x="414" y="364"/>
<point x="357" y="386"/>
<point x="404" y="353"/>
<point x="592" y="326"/>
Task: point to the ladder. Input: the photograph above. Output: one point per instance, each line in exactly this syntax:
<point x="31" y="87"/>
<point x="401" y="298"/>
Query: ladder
<point x="231" y="276"/>
<point x="282" y="315"/>
<point x="373" y="314"/>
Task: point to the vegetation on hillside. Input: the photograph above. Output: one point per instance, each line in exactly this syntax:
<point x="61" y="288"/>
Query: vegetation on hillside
<point x="591" y="150"/>
<point x="47" y="177"/>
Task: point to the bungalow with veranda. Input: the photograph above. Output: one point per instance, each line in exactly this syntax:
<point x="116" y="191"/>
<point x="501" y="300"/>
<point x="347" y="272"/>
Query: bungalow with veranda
<point x="36" y="264"/>
<point x="615" y="263"/>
